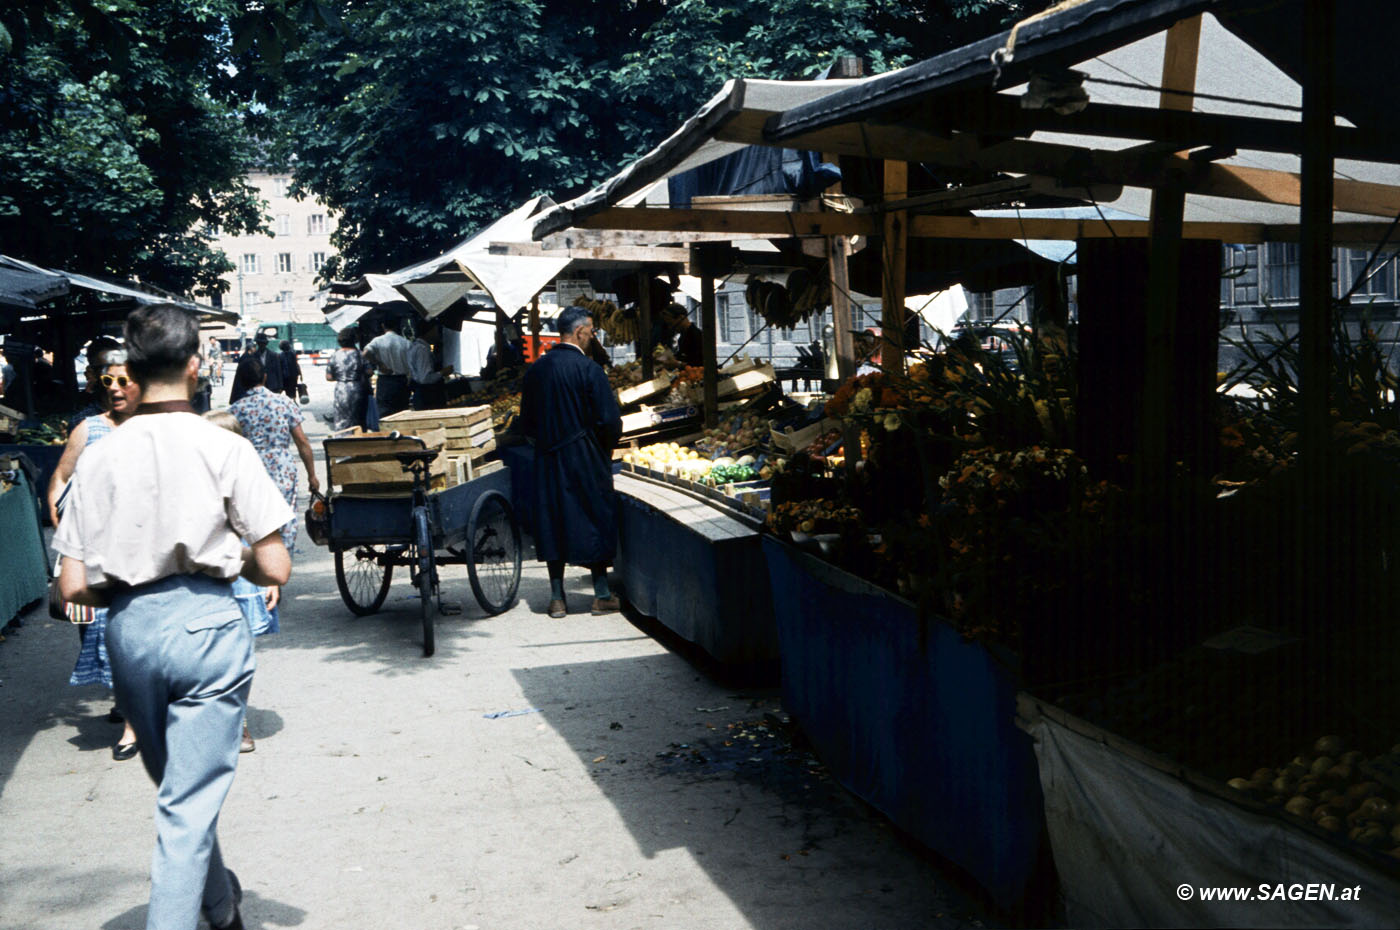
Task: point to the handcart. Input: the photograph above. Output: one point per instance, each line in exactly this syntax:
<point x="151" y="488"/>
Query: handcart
<point x="371" y="531"/>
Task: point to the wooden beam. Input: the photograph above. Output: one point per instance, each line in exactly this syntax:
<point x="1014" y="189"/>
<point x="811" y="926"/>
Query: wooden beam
<point x="626" y="238"/>
<point x="1000" y="114"/>
<point x="650" y="254"/>
<point x="736" y="222"/>
<point x="973" y="227"/>
<point x="1080" y="167"/>
<point x="893" y="258"/>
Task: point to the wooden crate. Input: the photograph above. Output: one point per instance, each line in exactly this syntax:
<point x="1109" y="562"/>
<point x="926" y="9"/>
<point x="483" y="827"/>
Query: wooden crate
<point x="640" y="392"/>
<point x="9" y="419"/>
<point x="374" y="466"/>
<point x="793" y="440"/>
<point x="753" y="379"/>
<point x="464" y="428"/>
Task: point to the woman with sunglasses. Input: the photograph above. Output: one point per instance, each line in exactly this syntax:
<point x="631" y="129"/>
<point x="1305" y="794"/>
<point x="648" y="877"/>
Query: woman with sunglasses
<point x="120" y="398"/>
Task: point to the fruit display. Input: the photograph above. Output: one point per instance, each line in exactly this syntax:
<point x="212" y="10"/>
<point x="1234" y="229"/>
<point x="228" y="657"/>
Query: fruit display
<point x="729" y="474"/>
<point x="1336" y="789"/>
<point x="625" y="375"/>
<point x="733" y="435"/>
<point x="815" y="517"/>
<point x="688" y="387"/>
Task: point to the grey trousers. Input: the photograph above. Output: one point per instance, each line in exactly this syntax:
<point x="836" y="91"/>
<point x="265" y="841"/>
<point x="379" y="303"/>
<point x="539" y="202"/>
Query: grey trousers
<point x="182" y="664"/>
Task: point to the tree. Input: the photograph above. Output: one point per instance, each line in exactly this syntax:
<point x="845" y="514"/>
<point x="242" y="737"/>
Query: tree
<point x="121" y="132"/>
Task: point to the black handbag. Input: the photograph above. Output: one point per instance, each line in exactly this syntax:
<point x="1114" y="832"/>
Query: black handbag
<point x="303" y="396"/>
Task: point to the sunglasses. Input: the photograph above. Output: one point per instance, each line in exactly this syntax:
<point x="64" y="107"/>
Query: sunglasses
<point x="120" y="381"/>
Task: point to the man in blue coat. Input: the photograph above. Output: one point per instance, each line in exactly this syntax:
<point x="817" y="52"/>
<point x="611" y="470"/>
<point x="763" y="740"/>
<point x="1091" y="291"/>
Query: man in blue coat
<point x="567" y="409"/>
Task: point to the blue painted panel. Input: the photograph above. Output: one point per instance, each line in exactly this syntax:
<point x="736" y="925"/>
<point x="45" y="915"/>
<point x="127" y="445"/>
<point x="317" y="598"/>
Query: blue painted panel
<point x="713" y="594"/>
<point x="918" y="723"/>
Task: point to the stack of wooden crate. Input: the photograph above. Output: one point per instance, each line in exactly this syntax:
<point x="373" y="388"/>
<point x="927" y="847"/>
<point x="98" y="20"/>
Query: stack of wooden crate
<point x="369" y="469"/>
<point x="468" y="437"/>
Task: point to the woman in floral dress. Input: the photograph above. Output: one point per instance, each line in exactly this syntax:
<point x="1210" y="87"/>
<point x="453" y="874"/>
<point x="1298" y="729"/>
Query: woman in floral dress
<point x="350" y="372"/>
<point x="121" y="398"/>
<point x="272" y="423"/>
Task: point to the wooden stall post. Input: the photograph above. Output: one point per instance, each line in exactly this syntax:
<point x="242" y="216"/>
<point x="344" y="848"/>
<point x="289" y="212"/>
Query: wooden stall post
<point x="1164" y="265"/>
<point x="838" y="250"/>
<point x="707" y="259"/>
<point x="1315" y="568"/>
<point x="644" y="324"/>
<point x="893" y="257"/>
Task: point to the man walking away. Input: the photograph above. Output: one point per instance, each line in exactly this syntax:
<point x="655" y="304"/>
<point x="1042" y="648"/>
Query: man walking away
<point x="388" y="352"/>
<point x="291" y="369"/>
<point x="569" y="412"/>
<point x="153" y="531"/>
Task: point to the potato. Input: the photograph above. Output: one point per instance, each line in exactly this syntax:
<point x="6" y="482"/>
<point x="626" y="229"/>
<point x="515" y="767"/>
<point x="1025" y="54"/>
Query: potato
<point x="1321" y="764"/>
<point x="1328" y="746"/>
<point x="1299" y="806"/>
<point x="1330" y="823"/>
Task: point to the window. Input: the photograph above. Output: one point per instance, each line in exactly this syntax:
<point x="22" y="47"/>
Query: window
<point x="284" y="262"/>
<point x="214" y="230"/>
<point x="284" y="224"/>
<point x="286" y="298"/>
<point x="280" y="186"/>
<point x="981" y="306"/>
<point x="316" y="224"/>
<point x="1239" y="276"/>
<point x="1378" y="281"/>
<point x="251" y="263"/>
<point x="251" y="299"/>
<point x="316" y="261"/>
<point x="722" y="316"/>
<point x="1281" y="271"/>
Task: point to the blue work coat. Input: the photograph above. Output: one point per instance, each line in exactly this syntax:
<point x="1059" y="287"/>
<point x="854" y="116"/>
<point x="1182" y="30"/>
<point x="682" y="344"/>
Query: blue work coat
<point x="568" y="410"/>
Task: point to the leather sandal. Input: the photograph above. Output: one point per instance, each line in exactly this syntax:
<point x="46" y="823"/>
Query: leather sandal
<point x="247" y="745"/>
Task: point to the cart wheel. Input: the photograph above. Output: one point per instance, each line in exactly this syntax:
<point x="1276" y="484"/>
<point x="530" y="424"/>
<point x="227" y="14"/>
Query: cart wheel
<point x="363" y="579"/>
<point x="427" y="576"/>
<point x="494" y="561"/>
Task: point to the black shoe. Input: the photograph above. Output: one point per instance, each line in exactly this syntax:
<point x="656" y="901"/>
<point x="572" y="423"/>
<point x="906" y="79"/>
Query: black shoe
<point x="235" y="924"/>
<point x="123" y="751"/>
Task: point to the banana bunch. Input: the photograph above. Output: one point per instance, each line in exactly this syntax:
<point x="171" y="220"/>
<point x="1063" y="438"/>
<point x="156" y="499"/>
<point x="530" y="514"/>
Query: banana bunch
<point x="620" y="325"/>
<point x="785" y="307"/>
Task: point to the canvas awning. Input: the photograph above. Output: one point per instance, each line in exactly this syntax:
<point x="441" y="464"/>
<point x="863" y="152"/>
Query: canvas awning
<point x="510" y="280"/>
<point x="24" y="286"/>
<point x="1244" y="117"/>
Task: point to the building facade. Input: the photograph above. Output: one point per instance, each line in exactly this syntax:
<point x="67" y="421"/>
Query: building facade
<point x="274" y="278"/>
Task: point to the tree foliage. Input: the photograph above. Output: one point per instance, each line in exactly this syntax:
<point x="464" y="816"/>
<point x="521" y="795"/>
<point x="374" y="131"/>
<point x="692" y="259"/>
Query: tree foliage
<point x="122" y="139"/>
<point x="421" y="123"/>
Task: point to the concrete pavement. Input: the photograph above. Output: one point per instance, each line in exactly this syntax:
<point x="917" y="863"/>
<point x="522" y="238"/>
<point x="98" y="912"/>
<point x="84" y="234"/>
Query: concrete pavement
<point x="622" y="786"/>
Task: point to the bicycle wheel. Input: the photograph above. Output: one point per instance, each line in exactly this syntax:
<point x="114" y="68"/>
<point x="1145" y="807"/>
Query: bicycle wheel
<point x="363" y="579"/>
<point x="427" y="575"/>
<point x="494" y="562"/>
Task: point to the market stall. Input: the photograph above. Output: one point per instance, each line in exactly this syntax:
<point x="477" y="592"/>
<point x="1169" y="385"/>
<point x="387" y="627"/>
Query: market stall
<point x="24" y="572"/>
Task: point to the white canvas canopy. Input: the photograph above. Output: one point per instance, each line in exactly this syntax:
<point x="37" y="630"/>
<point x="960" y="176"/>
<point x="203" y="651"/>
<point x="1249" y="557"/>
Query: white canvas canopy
<point x="509" y="280"/>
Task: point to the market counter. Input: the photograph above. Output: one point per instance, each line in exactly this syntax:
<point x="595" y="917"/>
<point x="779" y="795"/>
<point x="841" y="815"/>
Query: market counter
<point x="697" y="570"/>
<point x="24" y="571"/>
<point x="45" y="458"/>
<point x="911" y="718"/>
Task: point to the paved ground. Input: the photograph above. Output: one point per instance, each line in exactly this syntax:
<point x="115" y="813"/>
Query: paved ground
<point x="623" y="788"/>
